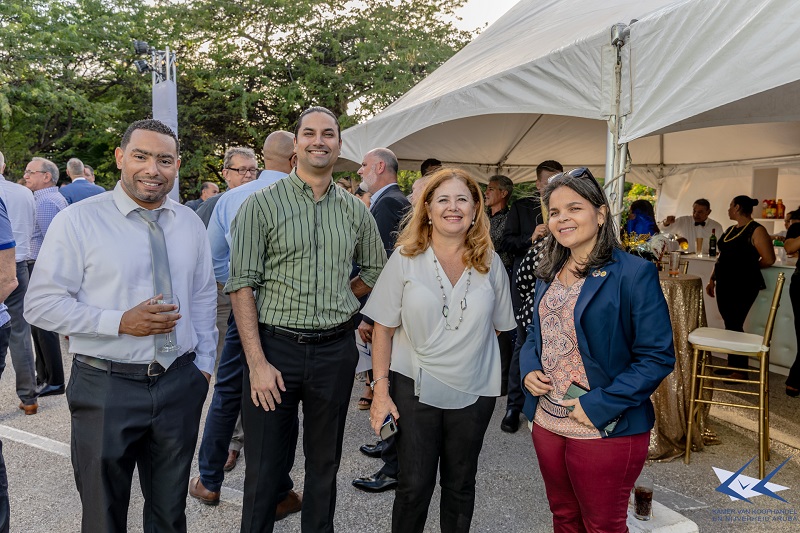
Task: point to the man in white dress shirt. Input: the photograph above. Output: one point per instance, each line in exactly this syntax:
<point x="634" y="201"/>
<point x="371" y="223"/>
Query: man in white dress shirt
<point x="94" y="281"/>
<point x="694" y="226"/>
<point x="22" y="212"/>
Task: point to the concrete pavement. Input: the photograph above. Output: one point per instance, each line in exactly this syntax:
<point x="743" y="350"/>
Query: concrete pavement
<point x="510" y="493"/>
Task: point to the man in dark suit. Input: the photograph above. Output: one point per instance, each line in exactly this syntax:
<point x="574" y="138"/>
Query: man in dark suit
<point x="80" y="188"/>
<point x="388" y="206"/>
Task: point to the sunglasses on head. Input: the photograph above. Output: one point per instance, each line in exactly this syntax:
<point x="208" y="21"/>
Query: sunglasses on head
<point x="580" y="172"/>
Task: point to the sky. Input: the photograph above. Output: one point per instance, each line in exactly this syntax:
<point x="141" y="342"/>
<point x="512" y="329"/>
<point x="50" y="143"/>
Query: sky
<point x="476" y="13"/>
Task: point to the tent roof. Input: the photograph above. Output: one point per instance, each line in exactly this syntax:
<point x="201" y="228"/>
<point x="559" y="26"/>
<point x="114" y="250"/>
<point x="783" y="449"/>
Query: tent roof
<point x="537" y="85"/>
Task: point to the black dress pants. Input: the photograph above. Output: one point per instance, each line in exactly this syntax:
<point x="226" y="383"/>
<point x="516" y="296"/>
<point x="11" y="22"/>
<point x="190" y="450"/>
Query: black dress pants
<point x="734" y="302"/>
<point x="794" y="293"/>
<point x="120" y="421"/>
<point x="49" y="366"/>
<point x="431" y="439"/>
<point x="321" y="377"/>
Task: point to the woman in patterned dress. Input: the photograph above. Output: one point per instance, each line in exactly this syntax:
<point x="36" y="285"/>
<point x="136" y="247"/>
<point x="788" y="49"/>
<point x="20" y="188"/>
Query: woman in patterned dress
<point x="600" y="321"/>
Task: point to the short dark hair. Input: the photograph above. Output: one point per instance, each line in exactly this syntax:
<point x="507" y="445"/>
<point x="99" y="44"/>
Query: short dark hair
<point x="317" y="109"/>
<point x="429" y="165"/>
<point x="702" y="201"/>
<point x="794" y="215"/>
<point x="504" y="182"/>
<point x="149" y="124"/>
<point x="549" y="166"/>
<point x="554" y="254"/>
<point x="745" y="203"/>
<point x="207" y="184"/>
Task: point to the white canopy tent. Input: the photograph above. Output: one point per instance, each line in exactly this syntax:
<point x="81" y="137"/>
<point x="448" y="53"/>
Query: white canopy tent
<point x="709" y="89"/>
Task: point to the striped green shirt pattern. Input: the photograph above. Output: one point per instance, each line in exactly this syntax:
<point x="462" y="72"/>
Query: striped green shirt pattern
<point x="298" y="254"/>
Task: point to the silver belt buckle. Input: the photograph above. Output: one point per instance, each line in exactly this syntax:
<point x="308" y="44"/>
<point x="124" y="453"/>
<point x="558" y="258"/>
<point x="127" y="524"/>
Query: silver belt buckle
<point x="155" y="369"/>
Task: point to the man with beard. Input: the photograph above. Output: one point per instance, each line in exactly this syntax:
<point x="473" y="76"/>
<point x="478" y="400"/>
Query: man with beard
<point x="127" y="275"/>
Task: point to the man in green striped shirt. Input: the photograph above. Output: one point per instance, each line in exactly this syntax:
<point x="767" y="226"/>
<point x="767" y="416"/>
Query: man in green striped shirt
<point x="294" y="244"/>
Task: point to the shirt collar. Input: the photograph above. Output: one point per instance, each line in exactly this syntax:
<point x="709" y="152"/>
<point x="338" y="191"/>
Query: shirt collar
<point x="304" y="187"/>
<point x="79" y="179"/>
<point x="375" y="196"/>
<point x="47" y="191"/>
<point x="126" y="205"/>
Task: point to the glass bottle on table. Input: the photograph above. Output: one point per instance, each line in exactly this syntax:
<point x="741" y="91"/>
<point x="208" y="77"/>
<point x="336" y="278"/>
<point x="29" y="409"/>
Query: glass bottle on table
<point x="712" y="243"/>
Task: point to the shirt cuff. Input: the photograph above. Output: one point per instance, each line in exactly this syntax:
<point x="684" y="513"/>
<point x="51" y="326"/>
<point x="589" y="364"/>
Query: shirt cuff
<point x="109" y="323"/>
<point x="234" y="284"/>
<point x="205" y="363"/>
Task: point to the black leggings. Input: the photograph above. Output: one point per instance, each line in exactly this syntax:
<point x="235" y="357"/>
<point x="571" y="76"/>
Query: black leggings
<point x="734" y="302"/>
<point x="794" y="293"/>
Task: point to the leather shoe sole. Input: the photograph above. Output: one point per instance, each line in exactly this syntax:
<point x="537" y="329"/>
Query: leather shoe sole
<point x="49" y="390"/>
<point x="373" y="450"/>
<point x="377" y="482"/>
<point x="29" y="409"/>
<point x="510" y="422"/>
<point x="292" y="503"/>
<point x="199" y="492"/>
<point x="230" y="464"/>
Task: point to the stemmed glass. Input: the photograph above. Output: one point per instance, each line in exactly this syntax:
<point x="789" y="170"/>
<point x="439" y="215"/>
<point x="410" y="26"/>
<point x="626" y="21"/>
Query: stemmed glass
<point x="168" y="299"/>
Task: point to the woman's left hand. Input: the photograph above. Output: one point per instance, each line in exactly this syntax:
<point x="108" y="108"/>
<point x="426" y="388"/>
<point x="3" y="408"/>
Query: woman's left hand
<point x="578" y="414"/>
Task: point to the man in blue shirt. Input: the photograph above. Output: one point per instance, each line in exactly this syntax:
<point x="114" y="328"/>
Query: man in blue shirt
<point x="226" y="402"/>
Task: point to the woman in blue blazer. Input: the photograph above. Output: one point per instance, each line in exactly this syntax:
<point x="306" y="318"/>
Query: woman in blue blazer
<point x="600" y="322"/>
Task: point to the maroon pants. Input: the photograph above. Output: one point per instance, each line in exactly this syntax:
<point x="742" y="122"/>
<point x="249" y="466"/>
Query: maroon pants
<point x="588" y="482"/>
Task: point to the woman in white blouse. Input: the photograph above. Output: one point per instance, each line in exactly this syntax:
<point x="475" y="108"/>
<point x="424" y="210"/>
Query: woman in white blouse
<point x="437" y="307"/>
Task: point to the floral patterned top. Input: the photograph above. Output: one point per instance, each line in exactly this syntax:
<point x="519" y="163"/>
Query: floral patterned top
<point x="561" y="360"/>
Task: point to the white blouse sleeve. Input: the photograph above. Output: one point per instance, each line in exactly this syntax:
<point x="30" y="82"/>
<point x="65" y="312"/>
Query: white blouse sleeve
<point x="503" y="316"/>
<point x="386" y="299"/>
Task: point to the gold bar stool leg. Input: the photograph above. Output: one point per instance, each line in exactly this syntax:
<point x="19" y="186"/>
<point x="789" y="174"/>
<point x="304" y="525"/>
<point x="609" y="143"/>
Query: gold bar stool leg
<point x="766" y="405"/>
<point x="691" y="416"/>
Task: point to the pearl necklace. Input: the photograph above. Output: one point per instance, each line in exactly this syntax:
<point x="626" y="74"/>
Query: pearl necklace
<point x="445" y="307"/>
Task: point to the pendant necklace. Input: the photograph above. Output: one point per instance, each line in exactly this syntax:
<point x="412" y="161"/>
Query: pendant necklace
<point x="445" y="307"/>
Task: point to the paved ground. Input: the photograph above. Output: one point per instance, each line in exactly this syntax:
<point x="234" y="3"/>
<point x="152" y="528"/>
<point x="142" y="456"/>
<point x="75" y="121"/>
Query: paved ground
<point x="510" y="494"/>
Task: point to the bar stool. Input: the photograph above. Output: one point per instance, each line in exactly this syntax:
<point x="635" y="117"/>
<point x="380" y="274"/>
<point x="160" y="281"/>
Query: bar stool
<point x="720" y="340"/>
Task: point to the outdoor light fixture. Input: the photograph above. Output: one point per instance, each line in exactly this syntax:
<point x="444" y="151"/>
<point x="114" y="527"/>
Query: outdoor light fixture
<point x="141" y="47"/>
<point x="142" y="66"/>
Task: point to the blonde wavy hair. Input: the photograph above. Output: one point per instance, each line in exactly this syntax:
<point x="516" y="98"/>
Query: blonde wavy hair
<point x="417" y="231"/>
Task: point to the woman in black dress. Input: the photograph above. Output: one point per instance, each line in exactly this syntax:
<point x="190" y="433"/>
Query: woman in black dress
<point x="792" y="244"/>
<point x="743" y="250"/>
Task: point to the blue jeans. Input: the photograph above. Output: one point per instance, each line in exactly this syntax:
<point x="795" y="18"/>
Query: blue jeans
<point x="223" y="412"/>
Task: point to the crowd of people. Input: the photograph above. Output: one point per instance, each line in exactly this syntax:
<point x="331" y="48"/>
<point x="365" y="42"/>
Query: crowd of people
<point x="460" y="298"/>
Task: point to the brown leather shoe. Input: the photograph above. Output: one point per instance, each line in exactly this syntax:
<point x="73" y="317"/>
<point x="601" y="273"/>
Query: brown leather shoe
<point x="198" y="491"/>
<point x="29" y="409"/>
<point x="292" y="503"/>
<point x="230" y="464"/>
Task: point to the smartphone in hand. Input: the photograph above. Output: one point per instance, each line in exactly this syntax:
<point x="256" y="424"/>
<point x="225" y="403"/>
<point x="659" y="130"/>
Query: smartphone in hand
<point x="389" y="427"/>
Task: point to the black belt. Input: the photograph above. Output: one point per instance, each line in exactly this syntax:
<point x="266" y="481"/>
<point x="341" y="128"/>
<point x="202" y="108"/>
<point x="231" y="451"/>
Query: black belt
<point x="151" y="369"/>
<point x="310" y="336"/>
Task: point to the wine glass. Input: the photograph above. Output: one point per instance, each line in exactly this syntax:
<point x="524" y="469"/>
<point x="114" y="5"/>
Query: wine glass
<point x="168" y="299"/>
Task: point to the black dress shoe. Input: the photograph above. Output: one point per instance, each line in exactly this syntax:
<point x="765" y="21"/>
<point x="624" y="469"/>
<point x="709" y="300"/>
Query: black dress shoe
<point x="510" y="423"/>
<point x="49" y="390"/>
<point x="377" y="482"/>
<point x="373" y="450"/>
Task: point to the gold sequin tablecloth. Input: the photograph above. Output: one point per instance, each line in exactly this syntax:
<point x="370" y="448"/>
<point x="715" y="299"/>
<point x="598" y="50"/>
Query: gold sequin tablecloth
<point x="684" y="295"/>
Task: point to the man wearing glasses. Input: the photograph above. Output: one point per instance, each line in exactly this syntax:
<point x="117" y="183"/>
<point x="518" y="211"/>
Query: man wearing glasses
<point x="41" y="176"/>
<point x="227" y="400"/>
<point x="239" y="166"/>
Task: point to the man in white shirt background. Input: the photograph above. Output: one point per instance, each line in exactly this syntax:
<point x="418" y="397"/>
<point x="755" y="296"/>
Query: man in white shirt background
<point x="694" y="226"/>
<point x="22" y="212"/>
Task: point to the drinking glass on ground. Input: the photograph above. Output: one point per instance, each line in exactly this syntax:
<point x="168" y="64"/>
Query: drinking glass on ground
<point x="674" y="264"/>
<point x="643" y="498"/>
<point x="698" y="246"/>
